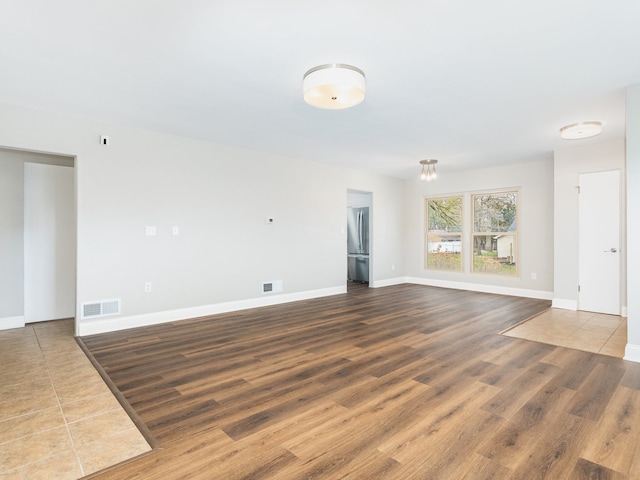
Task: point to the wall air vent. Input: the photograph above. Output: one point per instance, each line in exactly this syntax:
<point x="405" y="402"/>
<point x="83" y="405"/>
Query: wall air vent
<point x="103" y="308"/>
<point x="272" y="287"/>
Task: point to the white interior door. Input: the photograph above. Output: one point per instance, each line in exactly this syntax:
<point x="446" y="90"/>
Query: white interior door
<point x="49" y="242"/>
<point x="599" y="237"/>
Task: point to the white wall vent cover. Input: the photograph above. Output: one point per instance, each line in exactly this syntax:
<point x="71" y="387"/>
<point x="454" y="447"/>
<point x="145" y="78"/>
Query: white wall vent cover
<point x="272" y="287"/>
<point x="103" y="308"/>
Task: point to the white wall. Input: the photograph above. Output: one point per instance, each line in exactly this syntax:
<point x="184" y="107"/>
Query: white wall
<point x="569" y="163"/>
<point x="633" y="226"/>
<point x="535" y="226"/>
<point x="49" y="242"/>
<point x="219" y="197"/>
<point x="11" y="241"/>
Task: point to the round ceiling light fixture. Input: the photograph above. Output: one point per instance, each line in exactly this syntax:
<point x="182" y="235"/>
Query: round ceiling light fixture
<point x="576" y="131"/>
<point x="333" y="86"/>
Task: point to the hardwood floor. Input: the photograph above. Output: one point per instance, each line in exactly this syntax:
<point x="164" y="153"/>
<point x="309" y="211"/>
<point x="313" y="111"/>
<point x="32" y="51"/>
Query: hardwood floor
<point x="403" y="382"/>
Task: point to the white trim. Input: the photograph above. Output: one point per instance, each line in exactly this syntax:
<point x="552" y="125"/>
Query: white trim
<point x="388" y="282"/>
<point x="564" y="304"/>
<point x="7" y="323"/>
<point x="474" y="287"/>
<point x="632" y="353"/>
<point x="122" y="323"/>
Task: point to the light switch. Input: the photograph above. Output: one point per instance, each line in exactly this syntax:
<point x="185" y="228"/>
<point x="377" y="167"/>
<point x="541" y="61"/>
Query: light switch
<point x="175" y="230"/>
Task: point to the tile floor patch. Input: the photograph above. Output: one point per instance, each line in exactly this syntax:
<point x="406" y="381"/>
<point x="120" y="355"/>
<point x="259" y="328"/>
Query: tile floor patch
<point x="58" y="419"/>
<point x="90" y="407"/>
<point x="123" y="445"/>
<point x="61" y="466"/>
<point x="27" y="397"/>
<point x="30" y="424"/>
<point x="587" y="331"/>
<point x="32" y="448"/>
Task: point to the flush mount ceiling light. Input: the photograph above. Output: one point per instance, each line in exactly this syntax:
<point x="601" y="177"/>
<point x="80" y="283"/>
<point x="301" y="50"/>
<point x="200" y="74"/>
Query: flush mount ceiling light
<point x="576" y="131"/>
<point x="428" y="170"/>
<point x="333" y="86"/>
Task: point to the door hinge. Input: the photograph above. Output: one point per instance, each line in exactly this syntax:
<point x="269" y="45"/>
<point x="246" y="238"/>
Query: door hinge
<point x="578" y="188"/>
<point x="578" y="288"/>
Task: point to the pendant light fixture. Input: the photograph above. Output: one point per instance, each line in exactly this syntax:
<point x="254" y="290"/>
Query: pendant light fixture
<point x="334" y="86"/>
<point x="428" y="170"/>
<point x="576" y="131"/>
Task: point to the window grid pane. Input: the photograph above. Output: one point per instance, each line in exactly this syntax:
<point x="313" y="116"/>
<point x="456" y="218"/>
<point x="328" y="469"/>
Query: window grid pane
<point x="495" y="233"/>
<point x="443" y="238"/>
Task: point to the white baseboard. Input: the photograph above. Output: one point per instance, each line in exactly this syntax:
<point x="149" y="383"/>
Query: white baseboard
<point x="104" y="325"/>
<point x="11" y="322"/>
<point x="388" y="282"/>
<point x="475" y="287"/>
<point x="632" y="353"/>
<point x="564" y="304"/>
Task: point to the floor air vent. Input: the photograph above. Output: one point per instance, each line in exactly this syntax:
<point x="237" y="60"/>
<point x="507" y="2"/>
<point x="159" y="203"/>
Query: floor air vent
<point x="103" y="308"/>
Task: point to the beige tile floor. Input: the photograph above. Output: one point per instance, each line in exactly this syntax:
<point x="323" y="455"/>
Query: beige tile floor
<point x="591" y="332"/>
<point x="58" y="419"/>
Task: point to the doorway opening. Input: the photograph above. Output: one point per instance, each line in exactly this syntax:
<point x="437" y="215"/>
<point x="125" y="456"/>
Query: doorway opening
<point x="40" y="219"/>
<point x="359" y="214"/>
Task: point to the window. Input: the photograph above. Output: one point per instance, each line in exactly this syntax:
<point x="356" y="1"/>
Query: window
<point x="495" y="234"/>
<point x="444" y="234"/>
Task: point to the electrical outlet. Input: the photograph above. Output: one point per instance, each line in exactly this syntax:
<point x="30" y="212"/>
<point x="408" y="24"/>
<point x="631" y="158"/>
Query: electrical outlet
<point x="534" y="276"/>
<point x="150" y="231"/>
<point x="147" y="287"/>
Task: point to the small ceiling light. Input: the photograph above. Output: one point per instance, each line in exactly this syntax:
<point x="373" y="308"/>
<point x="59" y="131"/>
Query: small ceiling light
<point x="428" y="170"/>
<point x="576" y="131"/>
<point x="333" y="86"/>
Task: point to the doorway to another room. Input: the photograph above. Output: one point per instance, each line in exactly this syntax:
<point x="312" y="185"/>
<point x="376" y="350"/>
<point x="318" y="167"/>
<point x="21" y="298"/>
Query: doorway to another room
<point x="38" y="219"/>
<point x="359" y="206"/>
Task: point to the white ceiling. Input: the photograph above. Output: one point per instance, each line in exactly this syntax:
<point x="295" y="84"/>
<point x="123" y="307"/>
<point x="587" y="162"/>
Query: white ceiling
<point x="468" y="82"/>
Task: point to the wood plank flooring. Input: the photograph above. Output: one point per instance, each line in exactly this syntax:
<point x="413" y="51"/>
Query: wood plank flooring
<point x="402" y="382"/>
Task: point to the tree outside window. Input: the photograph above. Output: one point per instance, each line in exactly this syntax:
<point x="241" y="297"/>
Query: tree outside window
<point x="443" y="241"/>
<point x="495" y="233"/>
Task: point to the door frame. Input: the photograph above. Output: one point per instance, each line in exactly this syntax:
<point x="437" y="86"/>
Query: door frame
<point x="361" y="198"/>
<point x="59" y="159"/>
